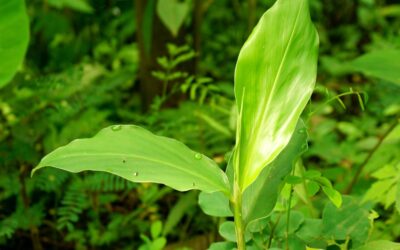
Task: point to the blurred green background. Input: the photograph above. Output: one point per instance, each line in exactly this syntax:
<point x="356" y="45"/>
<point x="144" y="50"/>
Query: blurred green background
<point x="168" y="65"/>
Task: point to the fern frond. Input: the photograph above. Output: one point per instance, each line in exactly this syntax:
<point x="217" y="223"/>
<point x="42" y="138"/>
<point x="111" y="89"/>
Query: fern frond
<point x="105" y="182"/>
<point x="73" y="203"/>
<point x="50" y="179"/>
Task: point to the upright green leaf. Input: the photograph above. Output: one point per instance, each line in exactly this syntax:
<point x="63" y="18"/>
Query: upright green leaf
<point x="260" y="197"/>
<point x="274" y="78"/>
<point x="139" y="156"/>
<point x="14" y="37"/>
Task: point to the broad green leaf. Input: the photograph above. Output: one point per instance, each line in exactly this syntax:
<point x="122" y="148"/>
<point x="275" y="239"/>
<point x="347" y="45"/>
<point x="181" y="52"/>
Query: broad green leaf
<point x="350" y="220"/>
<point x="310" y="232"/>
<point x="274" y="78"/>
<point x="215" y="204"/>
<point x="384" y="64"/>
<point x="14" y="38"/>
<point x="173" y="13"/>
<point x="380" y="244"/>
<point x="260" y="197"/>
<point x="139" y="156"/>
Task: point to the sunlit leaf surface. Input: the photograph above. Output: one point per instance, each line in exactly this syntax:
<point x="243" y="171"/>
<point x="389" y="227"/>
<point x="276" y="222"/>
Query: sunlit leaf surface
<point x="14" y="37"/>
<point x="261" y="196"/>
<point x="274" y="78"/>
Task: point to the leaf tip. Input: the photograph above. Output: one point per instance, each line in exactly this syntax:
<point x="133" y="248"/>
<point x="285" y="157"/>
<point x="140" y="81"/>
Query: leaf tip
<point x="34" y="170"/>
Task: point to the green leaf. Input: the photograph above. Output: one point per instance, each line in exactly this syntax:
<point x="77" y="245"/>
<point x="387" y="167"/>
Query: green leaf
<point x="334" y="196"/>
<point x="158" y="244"/>
<point x="14" y="30"/>
<point x="312" y="188"/>
<point x="310" y="232"/>
<point x="227" y="231"/>
<point x="379" y="190"/>
<point x="173" y="13"/>
<point x="78" y="5"/>
<point x="350" y="220"/>
<point x="398" y="197"/>
<point x="383" y="64"/>
<point x="272" y="178"/>
<point x="222" y="246"/>
<point x="310" y="174"/>
<point x="295" y="220"/>
<point x="274" y="78"/>
<point x="139" y="156"/>
<point x="215" y="204"/>
<point x="380" y="244"/>
<point x="155" y="229"/>
<point x="293" y="180"/>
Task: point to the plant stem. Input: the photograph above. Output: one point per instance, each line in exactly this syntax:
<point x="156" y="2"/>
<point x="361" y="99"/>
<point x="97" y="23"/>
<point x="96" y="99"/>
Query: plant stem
<point x="289" y="204"/>
<point x="273" y="227"/>
<point x="237" y="207"/>
<point x="307" y="200"/>
<point x="369" y="156"/>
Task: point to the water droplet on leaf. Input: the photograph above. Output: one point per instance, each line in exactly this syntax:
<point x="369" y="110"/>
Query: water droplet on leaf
<point x="198" y="156"/>
<point x="302" y="131"/>
<point x="116" y="127"/>
<point x="135" y="174"/>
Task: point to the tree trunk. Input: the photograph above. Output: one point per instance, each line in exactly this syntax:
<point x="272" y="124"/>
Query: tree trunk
<point x="152" y="40"/>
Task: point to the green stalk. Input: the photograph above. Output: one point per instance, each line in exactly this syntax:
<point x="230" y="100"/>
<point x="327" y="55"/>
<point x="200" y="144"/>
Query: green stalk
<point x="239" y="227"/>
